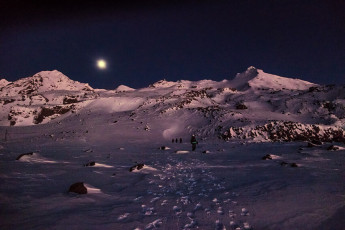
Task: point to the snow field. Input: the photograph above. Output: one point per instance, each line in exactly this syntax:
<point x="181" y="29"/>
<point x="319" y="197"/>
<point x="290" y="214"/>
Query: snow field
<point x="230" y="187"/>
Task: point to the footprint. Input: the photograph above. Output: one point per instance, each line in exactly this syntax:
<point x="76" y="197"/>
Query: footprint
<point x="138" y="198"/>
<point x="154" y="224"/>
<point x="208" y="211"/>
<point x="220" y="211"/>
<point x="192" y="224"/>
<point x="190" y="215"/>
<point x="185" y="200"/>
<point x="154" y="199"/>
<point x="197" y="207"/>
<point x="235" y="226"/>
<point x="245" y="212"/>
<point x="177" y="210"/>
<point x="122" y="217"/>
<point x="232" y="214"/>
<point x="147" y="211"/>
<point x="165" y="202"/>
<point x="246" y="226"/>
<point x="219" y="225"/>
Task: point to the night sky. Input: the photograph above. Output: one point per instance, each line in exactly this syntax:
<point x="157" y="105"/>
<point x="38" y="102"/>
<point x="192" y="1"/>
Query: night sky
<point x="191" y="40"/>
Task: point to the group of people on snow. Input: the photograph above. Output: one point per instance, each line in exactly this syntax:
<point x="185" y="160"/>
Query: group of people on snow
<point x="193" y="141"/>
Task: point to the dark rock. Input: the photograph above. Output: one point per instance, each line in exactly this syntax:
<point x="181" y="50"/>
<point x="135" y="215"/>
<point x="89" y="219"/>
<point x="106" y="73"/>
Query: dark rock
<point x="241" y="106"/>
<point x="283" y="163"/>
<point x="92" y="163"/>
<point x="333" y="148"/>
<point x="24" y="154"/>
<point x="70" y="100"/>
<point x="78" y="188"/>
<point x="137" y="167"/>
<point x="267" y="157"/>
<point x="316" y="142"/>
<point x="9" y="101"/>
<point x="293" y="165"/>
<point x="162" y="147"/>
<point x="46" y="112"/>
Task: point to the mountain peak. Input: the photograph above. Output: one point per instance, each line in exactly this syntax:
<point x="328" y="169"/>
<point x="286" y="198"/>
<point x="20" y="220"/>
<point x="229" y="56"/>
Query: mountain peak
<point x="162" y="84"/>
<point x="43" y="81"/>
<point x="4" y="82"/>
<point x="257" y="78"/>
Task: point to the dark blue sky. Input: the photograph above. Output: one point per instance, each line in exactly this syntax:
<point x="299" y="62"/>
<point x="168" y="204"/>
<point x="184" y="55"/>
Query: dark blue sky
<point x="191" y="40"/>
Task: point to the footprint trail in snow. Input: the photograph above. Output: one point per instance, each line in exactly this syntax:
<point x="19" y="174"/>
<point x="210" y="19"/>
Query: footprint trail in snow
<point x="187" y="195"/>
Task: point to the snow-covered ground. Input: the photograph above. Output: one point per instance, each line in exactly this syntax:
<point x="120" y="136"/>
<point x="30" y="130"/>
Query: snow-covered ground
<point x="224" y="184"/>
<point x="229" y="187"/>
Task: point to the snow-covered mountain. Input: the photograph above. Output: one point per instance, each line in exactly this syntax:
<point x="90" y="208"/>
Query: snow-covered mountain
<point x="27" y="101"/>
<point x="81" y="158"/>
<point x="241" y="108"/>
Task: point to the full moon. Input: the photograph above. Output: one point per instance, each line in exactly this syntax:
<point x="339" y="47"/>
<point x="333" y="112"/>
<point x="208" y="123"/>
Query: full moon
<point x="101" y="64"/>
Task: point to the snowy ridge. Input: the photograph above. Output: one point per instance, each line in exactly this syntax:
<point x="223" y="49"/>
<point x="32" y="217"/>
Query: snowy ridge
<point x="256" y="78"/>
<point x="207" y="108"/>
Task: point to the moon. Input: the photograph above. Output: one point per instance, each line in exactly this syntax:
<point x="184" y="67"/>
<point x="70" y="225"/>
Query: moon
<point x="101" y="64"/>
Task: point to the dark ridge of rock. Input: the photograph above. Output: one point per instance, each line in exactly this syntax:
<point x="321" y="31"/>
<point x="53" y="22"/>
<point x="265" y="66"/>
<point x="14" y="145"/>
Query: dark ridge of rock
<point x="24" y="154"/>
<point x="70" y="100"/>
<point x="316" y="142"/>
<point x="46" y="112"/>
<point x="287" y="131"/>
<point x="267" y="157"/>
<point x="92" y="163"/>
<point x="8" y="101"/>
<point x="137" y="167"/>
<point x="78" y="188"/>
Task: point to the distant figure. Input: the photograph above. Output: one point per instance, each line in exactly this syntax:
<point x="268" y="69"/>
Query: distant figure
<point x="176" y="140"/>
<point x="173" y="140"/>
<point x="194" y="142"/>
<point x="180" y="140"/>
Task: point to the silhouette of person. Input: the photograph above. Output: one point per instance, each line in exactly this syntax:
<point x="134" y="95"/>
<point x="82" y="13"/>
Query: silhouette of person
<point x="194" y="142"/>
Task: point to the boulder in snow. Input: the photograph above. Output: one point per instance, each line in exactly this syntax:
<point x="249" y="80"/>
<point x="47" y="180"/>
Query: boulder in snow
<point x="91" y="163"/>
<point x="267" y="157"/>
<point x="78" y="188"/>
<point x="136" y="167"/>
<point x="333" y="148"/>
<point x="24" y="154"/>
<point x="293" y="165"/>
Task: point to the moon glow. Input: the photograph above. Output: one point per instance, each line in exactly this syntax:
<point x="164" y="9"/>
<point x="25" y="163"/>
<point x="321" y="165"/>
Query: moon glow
<point x="101" y="64"/>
